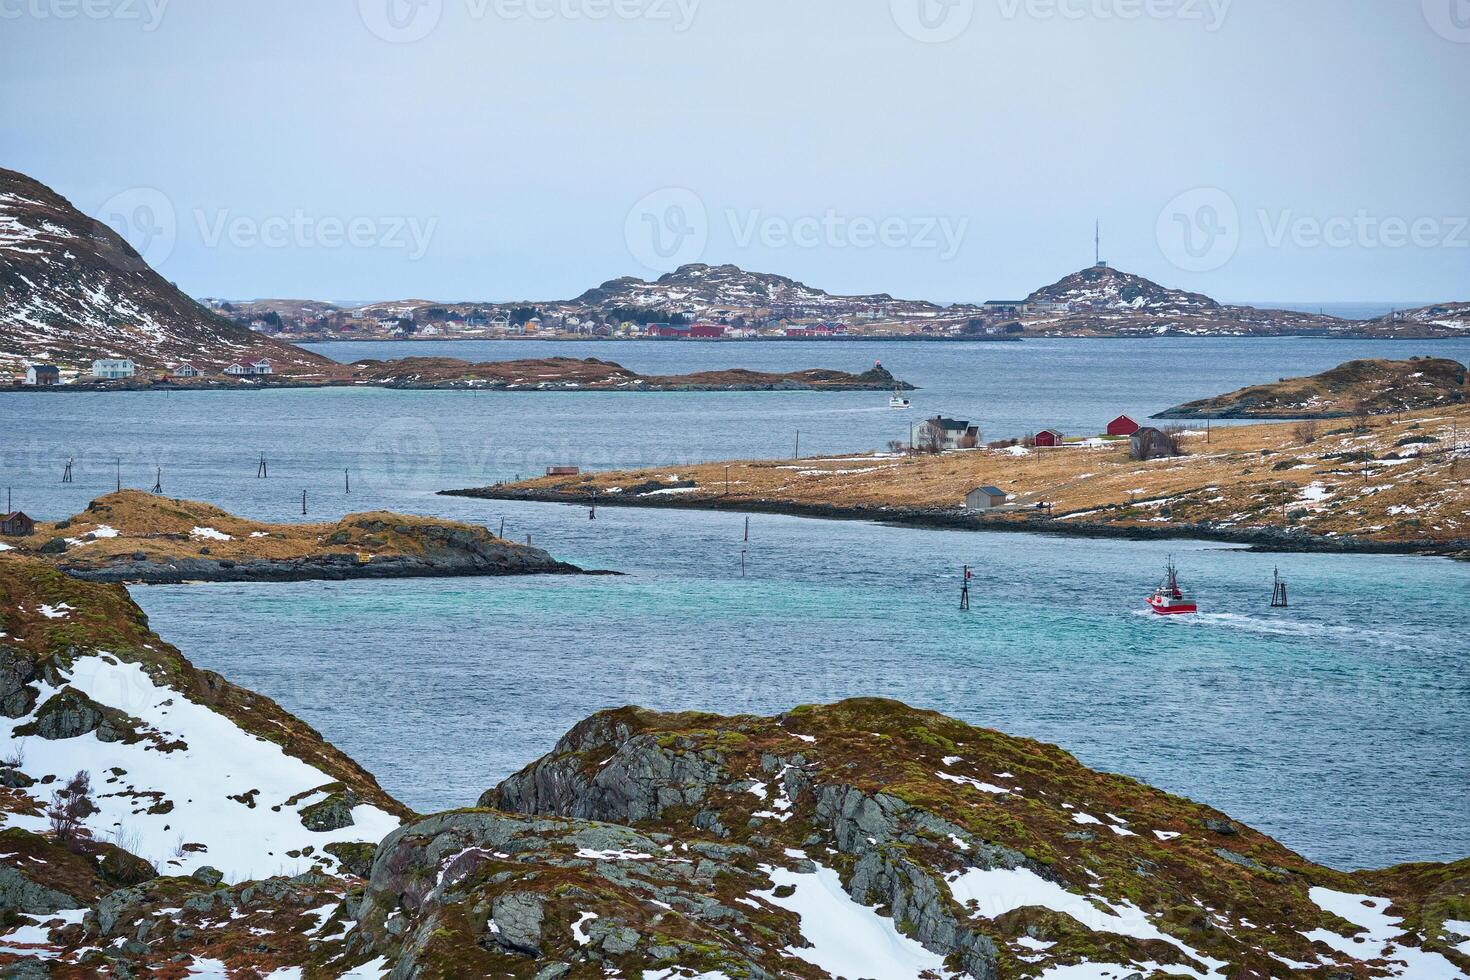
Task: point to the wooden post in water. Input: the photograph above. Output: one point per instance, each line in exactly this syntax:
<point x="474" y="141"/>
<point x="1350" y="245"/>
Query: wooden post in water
<point x="118" y="464"/>
<point x="592" y="514"/>
<point x="262" y="472"/>
<point x="303" y="503"/>
<point x="66" y="473"/>
<point x="158" y="481"/>
<point x="1278" y="592"/>
<point x="965" y="591"/>
<point x="747" y="527"/>
<point x="502" y="528"/>
<point x="347" y="480"/>
<point x="798" y="444"/>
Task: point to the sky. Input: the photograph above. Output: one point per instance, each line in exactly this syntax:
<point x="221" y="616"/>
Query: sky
<point x="954" y="150"/>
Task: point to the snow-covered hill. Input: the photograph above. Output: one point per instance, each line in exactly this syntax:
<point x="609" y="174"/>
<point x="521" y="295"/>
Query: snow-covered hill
<point x="708" y="290"/>
<point x="186" y="769"/>
<point x="72" y="290"/>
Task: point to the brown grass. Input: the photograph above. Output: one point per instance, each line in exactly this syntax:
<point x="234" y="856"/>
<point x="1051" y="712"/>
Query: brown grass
<point x="1241" y="478"/>
<point x="163" y="529"/>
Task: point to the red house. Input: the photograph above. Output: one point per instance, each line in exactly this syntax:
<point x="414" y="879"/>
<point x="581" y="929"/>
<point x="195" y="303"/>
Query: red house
<point x="1122" y="426"/>
<point x="1048" y="438"/>
<point x="706" y="331"/>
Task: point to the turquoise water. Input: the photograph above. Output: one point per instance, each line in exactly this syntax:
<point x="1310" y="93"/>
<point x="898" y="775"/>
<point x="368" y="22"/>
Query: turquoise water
<point x="1341" y="726"/>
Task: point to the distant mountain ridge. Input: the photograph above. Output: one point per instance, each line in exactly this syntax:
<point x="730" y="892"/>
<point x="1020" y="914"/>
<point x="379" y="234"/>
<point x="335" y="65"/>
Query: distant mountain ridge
<point x="72" y="290"/>
<point x="706" y="287"/>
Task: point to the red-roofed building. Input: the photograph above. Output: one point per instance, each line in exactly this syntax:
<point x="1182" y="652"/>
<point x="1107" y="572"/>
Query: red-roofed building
<point x="1122" y="426"/>
<point x="1048" y="438"/>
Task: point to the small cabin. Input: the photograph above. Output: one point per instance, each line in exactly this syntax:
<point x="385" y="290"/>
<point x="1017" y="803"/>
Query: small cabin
<point x="985" y="498"/>
<point x="1048" y="438"/>
<point x="1151" y="443"/>
<point x="563" y="471"/>
<point x="17" y="525"/>
<point x="187" y="370"/>
<point x="1122" y="426"/>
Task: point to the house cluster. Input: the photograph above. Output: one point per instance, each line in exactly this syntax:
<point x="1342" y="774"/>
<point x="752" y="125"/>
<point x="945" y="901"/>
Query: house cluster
<point x="1022" y="307"/>
<point x="122" y="369"/>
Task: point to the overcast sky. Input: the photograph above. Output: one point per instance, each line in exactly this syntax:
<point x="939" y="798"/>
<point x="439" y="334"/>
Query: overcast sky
<point x="1291" y="150"/>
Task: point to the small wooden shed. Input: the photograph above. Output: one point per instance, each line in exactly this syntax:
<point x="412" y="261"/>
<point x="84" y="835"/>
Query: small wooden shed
<point x="17" y="525"/>
<point x="1048" y="438"/>
<point x="985" y="498"/>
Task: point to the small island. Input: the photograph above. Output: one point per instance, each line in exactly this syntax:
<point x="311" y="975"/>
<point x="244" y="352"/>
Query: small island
<point x="564" y="374"/>
<point x="1367" y="387"/>
<point x="131" y="536"/>
<point x="592" y="374"/>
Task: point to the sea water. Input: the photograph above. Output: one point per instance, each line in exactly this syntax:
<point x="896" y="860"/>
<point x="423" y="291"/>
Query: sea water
<point x="1341" y="725"/>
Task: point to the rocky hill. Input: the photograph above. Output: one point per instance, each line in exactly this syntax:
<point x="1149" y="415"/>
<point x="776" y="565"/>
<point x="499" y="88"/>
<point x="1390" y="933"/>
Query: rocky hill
<point x="704" y="291"/>
<point x="72" y="290"/>
<point x="131" y="536"/>
<point x="1104" y="301"/>
<point x="1445" y="319"/>
<point x="1372" y="387"/>
<point x="863" y="839"/>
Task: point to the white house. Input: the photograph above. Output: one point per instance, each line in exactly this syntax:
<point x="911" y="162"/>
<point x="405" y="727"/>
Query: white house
<point x="985" y="498"/>
<point x="943" y="433"/>
<point x="187" y="370"/>
<point x="112" y="370"/>
<point x="42" y="374"/>
<point x="245" y="369"/>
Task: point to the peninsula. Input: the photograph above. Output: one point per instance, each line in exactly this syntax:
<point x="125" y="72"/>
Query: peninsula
<point x="131" y="536"/>
<point x="1367" y="387"/>
<point x="1389" y="484"/>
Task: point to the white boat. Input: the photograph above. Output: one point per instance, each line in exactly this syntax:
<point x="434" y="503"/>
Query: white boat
<point x="897" y="400"/>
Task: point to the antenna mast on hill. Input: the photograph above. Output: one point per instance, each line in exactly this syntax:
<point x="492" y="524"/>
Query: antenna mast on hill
<point x="1097" y="243"/>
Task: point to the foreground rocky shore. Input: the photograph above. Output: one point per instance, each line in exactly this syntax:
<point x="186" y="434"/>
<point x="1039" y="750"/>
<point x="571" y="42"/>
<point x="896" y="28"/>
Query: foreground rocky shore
<point x="862" y="839"/>
<point x="132" y="536"/>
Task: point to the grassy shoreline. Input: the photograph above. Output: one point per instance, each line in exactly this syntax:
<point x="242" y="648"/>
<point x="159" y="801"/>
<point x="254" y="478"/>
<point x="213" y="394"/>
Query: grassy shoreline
<point x="1398" y="486"/>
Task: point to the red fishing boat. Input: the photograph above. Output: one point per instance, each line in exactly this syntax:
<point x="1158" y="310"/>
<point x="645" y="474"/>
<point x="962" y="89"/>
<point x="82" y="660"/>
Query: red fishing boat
<point x="1169" y="599"/>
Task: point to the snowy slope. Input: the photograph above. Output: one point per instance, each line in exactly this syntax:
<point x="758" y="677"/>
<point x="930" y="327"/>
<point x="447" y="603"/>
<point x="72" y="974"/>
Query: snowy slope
<point x="72" y="290"/>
